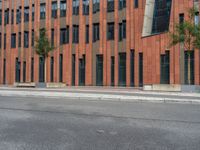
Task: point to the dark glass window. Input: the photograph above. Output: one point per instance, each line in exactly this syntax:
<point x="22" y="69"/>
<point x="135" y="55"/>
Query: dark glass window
<point x="165" y="68"/>
<point x="26" y="14"/>
<point x="181" y="18"/>
<point x="135" y="3"/>
<point x="17" y="70"/>
<point x="52" y="69"/>
<point x="52" y="37"/>
<point x="13" y="40"/>
<point x="42" y="11"/>
<point x="122" y="69"/>
<point x="64" y="35"/>
<point x="161" y="16"/>
<point x="96" y="32"/>
<point x="189" y="61"/>
<point x="4" y="40"/>
<point x="33" y="12"/>
<point x="140" y="69"/>
<point x="41" y="69"/>
<point x="6" y="17"/>
<point x="63" y="8"/>
<point x="196" y="18"/>
<point x="99" y="70"/>
<point x="86" y="7"/>
<point x="32" y="69"/>
<point x="110" y="5"/>
<point x="4" y="71"/>
<point x="24" y="71"/>
<point x="26" y="39"/>
<point x="54" y="10"/>
<point x="75" y="7"/>
<point x="87" y="34"/>
<point x="33" y="38"/>
<point x="18" y="17"/>
<point x="132" y="65"/>
<point x="61" y="68"/>
<point x="0" y="17"/>
<point x="122" y="30"/>
<point x="75" y="33"/>
<point x="19" y="39"/>
<point x="82" y="71"/>
<point x="112" y="70"/>
<point x="122" y="4"/>
<point x="110" y="31"/>
<point x="96" y="6"/>
<point x="12" y="17"/>
<point x="73" y="68"/>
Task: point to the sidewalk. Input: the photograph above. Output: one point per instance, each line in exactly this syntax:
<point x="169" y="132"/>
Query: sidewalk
<point x="103" y="93"/>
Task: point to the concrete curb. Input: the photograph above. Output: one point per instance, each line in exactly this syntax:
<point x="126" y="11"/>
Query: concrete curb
<point x="97" y="97"/>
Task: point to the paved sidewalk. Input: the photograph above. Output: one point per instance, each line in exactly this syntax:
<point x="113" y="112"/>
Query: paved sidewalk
<point x="103" y="93"/>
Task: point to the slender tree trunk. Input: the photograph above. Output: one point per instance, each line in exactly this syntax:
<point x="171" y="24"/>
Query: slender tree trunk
<point x="45" y="69"/>
<point x="189" y="69"/>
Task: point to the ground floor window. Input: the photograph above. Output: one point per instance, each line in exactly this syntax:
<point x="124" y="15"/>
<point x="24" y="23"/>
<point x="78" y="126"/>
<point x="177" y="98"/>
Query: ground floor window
<point x="32" y="69"/>
<point x="41" y="69"/>
<point x="165" y="68"/>
<point x="61" y="68"/>
<point x="122" y="69"/>
<point x="17" y="70"/>
<point x="4" y="71"/>
<point x="112" y="70"/>
<point x="189" y="67"/>
<point x="140" y="69"/>
<point x="52" y="69"/>
<point x="82" y="71"/>
<point x="24" y="71"/>
<point x="73" y="68"/>
<point x="132" y="67"/>
<point x="99" y="70"/>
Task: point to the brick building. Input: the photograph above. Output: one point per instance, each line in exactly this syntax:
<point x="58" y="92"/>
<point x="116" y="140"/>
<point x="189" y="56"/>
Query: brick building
<point x="97" y="42"/>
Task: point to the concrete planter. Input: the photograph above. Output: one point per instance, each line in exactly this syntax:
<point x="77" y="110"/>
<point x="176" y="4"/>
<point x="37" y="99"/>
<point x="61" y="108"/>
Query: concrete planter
<point x="51" y="85"/>
<point x="25" y="85"/>
<point x="172" y="88"/>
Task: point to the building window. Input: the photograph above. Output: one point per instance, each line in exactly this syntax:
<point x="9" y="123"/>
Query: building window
<point x="122" y="4"/>
<point x="13" y="40"/>
<point x="165" y="68"/>
<point x="99" y="70"/>
<point x="42" y="11"/>
<point x="63" y="8"/>
<point x="33" y="38"/>
<point x="161" y="16"/>
<point x="140" y="69"/>
<point x="12" y="17"/>
<point x="73" y="68"/>
<point x="32" y="69"/>
<point x="33" y="12"/>
<point x="181" y="18"/>
<point x="95" y="32"/>
<point x="54" y="10"/>
<point x="122" y="69"/>
<point x="110" y="31"/>
<point x="0" y="17"/>
<point x="18" y="16"/>
<point x="4" y="71"/>
<point x="26" y="39"/>
<point x="4" y="40"/>
<point x="132" y="67"/>
<point x="26" y="14"/>
<point x="112" y="70"/>
<point x="196" y="18"/>
<point x="110" y="5"/>
<point x="96" y="6"/>
<point x="6" y="17"/>
<point x="75" y="33"/>
<point x="52" y="69"/>
<point x="24" y="71"/>
<point x="82" y="71"/>
<point x="75" y="7"/>
<point x="87" y="34"/>
<point x="52" y="37"/>
<point x="17" y="70"/>
<point x="64" y="35"/>
<point x="86" y="7"/>
<point x="135" y="3"/>
<point x="61" y="68"/>
<point x="122" y="30"/>
<point x="189" y="65"/>
<point x="19" y="39"/>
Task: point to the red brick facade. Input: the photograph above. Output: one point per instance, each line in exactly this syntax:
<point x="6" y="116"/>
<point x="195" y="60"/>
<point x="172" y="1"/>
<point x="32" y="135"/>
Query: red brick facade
<point x="151" y="47"/>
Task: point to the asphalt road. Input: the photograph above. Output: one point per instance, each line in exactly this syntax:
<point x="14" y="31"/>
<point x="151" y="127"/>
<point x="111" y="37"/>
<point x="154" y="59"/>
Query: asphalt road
<point x="63" y="124"/>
